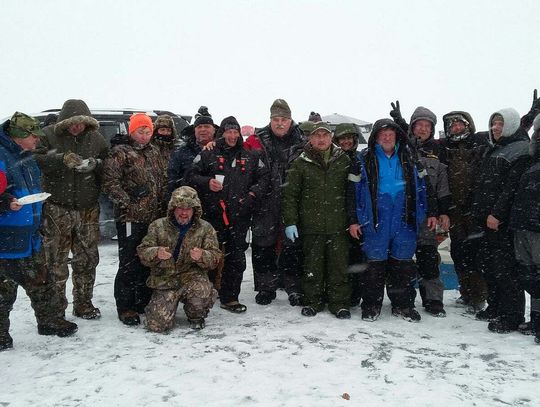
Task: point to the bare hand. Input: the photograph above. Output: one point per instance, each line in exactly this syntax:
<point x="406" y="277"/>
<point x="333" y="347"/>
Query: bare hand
<point x="355" y="231"/>
<point x="14" y="205"/>
<point x="215" y="185"/>
<point x="432" y="223"/>
<point x="163" y="253"/>
<point x="492" y="222"/>
<point x="196" y="253"/>
<point x="209" y="146"/>
<point x="444" y="222"/>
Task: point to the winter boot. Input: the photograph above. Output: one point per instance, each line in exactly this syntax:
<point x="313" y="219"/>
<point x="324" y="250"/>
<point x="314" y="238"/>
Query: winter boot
<point x="86" y="311"/>
<point x="129" y="318"/>
<point x="296" y="299"/>
<point x="309" y="312"/>
<point x="197" y="324"/>
<point x="6" y="342"/>
<point x="408" y="314"/>
<point x="59" y="327"/>
<point x="462" y="301"/>
<point x="526" y="328"/>
<point x="371" y="314"/>
<point x="343" y="314"/>
<point x="235" y="307"/>
<point x="488" y="314"/>
<point x="475" y="308"/>
<point x="265" y="297"/>
<point x="435" y="308"/>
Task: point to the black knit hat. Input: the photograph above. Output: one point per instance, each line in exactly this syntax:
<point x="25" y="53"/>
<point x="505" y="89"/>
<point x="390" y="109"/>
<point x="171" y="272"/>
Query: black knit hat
<point x="203" y="117"/>
<point x="229" y="123"/>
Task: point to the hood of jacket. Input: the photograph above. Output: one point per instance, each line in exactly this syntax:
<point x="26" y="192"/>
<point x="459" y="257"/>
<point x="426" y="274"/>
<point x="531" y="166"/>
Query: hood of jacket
<point x="423" y="113"/>
<point x="464" y="116"/>
<point x="75" y="111"/>
<point x="512" y="121"/>
<point x="380" y="124"/>
<point x="185" y="197"/>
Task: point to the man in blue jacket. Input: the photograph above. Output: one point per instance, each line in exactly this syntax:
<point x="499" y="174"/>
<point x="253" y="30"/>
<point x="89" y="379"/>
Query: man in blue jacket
<point x="391" y="207"/>
<point x="21" y="258"/>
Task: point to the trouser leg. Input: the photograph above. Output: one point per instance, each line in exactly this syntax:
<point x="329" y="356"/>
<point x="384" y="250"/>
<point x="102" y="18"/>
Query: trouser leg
<point x="264" y="261"/>
<point x="338" y="286"/>
<point x="430" y="284"/>
<point x="130" y="290"/>
<point x="466" y="257"/>
<point x="85" y="255"/>
<point x="313" y="279"/>
<point x="198" y="297"/>
<point x="161" y="310"/>
<point x="233" y="272"/>
<point x="373" y="285"/>
<point x="290" y="266"/>
<point x="8" y="295"/>
<point x="401" y="277"/>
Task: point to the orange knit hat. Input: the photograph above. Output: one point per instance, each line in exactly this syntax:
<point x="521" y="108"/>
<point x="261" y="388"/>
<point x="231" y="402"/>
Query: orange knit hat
<point x="140" y="120"/>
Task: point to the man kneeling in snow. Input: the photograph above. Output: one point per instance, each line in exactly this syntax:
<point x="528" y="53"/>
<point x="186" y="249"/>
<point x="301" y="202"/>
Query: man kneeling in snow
<point x="180" y="249"/>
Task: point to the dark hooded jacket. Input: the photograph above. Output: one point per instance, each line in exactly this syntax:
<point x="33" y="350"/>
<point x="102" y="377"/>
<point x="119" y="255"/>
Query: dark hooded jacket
<point x="525" y="214"/>
<point x="230" y="209"/>
<point x="462" y="155"/>
<point x="277" y="154"/>
<point x="367" y="188"/>
<point x="69" y="188"/>
<point x="502" y="165"/>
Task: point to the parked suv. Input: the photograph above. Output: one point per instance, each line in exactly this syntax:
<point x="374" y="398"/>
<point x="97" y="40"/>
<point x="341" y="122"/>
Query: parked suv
<point x="111" y="123"/>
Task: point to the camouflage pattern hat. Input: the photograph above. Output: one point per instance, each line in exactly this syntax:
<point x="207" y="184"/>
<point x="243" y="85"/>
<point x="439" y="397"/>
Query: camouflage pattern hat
<point x="344" y="129"/>
<point x="21" y="126"/>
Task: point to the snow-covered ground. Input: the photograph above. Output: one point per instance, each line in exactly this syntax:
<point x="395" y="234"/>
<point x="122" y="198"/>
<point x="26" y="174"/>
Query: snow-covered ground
<point x="270" y="356"/>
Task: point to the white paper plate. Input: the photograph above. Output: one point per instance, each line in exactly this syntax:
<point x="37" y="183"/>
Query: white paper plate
<point x="30" y="199"/>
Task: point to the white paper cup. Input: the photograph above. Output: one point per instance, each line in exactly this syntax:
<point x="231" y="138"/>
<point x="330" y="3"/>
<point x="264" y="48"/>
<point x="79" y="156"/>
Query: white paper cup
<point x="220" y="178"/>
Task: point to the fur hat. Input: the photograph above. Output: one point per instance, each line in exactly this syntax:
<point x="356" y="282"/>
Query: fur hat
<point x="140" y="120"/>
<point x="165" y="121"/>
<point x="280" y="108"/>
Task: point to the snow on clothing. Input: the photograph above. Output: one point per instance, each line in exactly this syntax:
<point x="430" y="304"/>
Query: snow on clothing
<point x="314" y="199"/>
<point x="19" y="229"/>
<point x="275" y="259"/>
<point x="391" y="209"/>
<point x="132" y="181"/>
<point x="462" y="154"/>
<point x="181" y="278"/>
<point x="230" y="210"/>
<point x="525" y="222"/>
<point x="496" y="183"/>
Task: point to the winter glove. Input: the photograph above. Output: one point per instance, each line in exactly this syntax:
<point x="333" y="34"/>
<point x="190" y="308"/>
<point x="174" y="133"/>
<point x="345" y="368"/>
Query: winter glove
<point x="395" y="113"/>
<point x="72" y="160"/>
<point x="535" y="107"/>
<point x="88" y="165"/>
<point x="291" y="232"/>
<point x="527" y="120"/>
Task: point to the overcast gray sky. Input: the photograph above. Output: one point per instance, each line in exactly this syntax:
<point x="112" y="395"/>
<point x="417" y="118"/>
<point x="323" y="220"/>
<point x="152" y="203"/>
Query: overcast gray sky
<point x="350" y="57"/>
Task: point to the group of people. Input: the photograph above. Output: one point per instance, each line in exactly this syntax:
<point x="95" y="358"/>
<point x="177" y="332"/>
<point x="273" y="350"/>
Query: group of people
<point x="330" y="225"/>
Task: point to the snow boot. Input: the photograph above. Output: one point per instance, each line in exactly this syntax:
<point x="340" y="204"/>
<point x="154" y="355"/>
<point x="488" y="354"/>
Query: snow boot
<point x="309" y="312"/>
<point x="343" y="313"/>
<point x="6" y="342"/>
<point x="86" y="311"/>
<point x="129" y="318"/>
<point x="489" y="314"/>
<point x="462" y="301"/>
<point x="235" y="307"/>
<point x="371" y="314"/>
<point x="435" y="308"/>
<point x="59" y="327"/>
<point x="296" y="299"/>
<point x="475" y="308"/>
<point x="526" y="328"/>
<point x="197" y="324"/>
<point x="408" y="314"/>
<point x="265" y="297"/>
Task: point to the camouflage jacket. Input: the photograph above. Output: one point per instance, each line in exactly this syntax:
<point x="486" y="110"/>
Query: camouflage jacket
<point x="132" y="178"/>
<point x="171" y="274"/>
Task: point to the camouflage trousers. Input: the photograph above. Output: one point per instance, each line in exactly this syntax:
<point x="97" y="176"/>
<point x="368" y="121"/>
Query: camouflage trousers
<point x="31" y="274"/>
<point x="66" y="230"/>
<point x="198" y="296"/>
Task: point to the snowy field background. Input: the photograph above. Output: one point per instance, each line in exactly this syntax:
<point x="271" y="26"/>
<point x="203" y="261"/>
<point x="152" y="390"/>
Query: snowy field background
<point x="269" y="356"/>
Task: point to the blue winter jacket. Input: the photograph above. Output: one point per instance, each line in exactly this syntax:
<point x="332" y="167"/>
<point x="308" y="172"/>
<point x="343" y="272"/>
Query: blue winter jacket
<point x="19" y="230"/>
